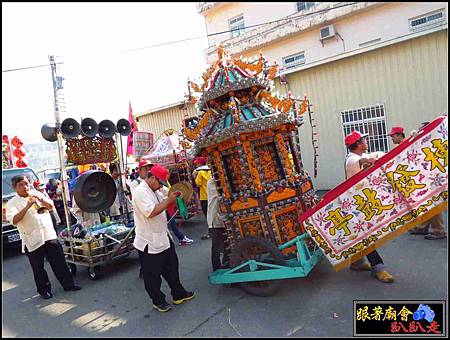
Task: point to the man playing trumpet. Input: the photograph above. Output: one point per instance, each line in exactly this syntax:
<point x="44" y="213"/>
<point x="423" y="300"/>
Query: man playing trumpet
<point x="29" y="211"/>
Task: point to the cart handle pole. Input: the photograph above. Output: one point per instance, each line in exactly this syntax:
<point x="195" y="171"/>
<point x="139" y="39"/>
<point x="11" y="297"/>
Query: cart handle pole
<point x="174" y="214"/>
<point x="121" y="243"/>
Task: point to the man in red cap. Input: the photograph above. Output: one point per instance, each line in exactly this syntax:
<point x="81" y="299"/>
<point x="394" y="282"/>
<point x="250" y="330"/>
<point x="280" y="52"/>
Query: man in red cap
<point x="397" y="134"/>
<point x="201" y="175"/>
<point x="143" y="168"/>
<point x="356" y="160"/>
<point x="154" y="241"/>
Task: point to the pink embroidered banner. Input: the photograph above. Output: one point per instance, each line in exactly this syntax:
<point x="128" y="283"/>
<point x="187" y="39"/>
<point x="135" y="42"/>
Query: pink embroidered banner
<point x="405" y="187"/>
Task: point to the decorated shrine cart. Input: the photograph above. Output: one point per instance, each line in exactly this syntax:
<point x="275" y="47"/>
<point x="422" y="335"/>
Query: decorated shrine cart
<point x="275" y="230"/>
<point x="168" y="152"/>
<point x="250" y="138"/>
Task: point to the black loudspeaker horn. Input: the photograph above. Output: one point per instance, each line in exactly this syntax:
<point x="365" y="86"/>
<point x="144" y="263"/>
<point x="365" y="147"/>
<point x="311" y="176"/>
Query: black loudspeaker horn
<point x="89" y="127"/>
<point x="106" y="128"/>
<point x="48" y="132"/>
<point x="70" y="128"/>
<point x="94" y="191"/>
<point x="123" y="127"/>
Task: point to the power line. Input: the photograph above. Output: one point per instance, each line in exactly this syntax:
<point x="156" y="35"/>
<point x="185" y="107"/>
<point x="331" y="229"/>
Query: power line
<point x="238" y="29"/>
<point x="213" y="34"/>
<point x="28" y="67"/>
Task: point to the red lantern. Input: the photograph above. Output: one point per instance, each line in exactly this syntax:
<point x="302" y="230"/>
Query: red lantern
<point x="20" y="163"/>
<point x="16" y="142"/>
<point x="19" y="153"/>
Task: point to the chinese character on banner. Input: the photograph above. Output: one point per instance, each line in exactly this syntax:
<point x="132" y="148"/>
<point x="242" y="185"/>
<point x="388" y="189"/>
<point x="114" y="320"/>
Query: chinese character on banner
<point x="339" y="221"/>
<point x="377" y="312"/>
<point x="390" y="314"/>
<point x="370" y="205"/>
<point x="363" y="314"/>
<point x="405" y="184"/>
<point x="397" y="326"/>
<point x="433" y="328"/>
<point x="440" y="153"/>
<point x="404" y="312"/>
<point x="414" y="326"/>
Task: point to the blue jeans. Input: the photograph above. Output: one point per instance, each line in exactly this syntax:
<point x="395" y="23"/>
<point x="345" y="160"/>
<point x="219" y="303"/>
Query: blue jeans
<point x="174" y="227"/>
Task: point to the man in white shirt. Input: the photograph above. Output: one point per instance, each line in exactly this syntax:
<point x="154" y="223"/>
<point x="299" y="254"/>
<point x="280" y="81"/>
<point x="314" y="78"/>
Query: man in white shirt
<point x="216" y="228"/>
<point x="357" y="160"/>
<point x="154" y="241"/>
<point x="38" y="236"/>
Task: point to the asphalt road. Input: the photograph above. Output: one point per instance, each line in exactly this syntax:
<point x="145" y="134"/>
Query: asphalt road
<point x="319" y="305"/>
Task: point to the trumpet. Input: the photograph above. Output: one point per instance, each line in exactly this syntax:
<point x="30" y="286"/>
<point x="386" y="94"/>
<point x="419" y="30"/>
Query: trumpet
<point x="40" y="209"/>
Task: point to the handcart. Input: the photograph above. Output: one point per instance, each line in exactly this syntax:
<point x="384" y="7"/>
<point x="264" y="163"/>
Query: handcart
<point x="258" y="266"/>
<point x="93" y="252"/>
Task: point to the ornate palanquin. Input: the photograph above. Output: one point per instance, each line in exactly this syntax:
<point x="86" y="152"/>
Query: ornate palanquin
<point x="250" y="137"/>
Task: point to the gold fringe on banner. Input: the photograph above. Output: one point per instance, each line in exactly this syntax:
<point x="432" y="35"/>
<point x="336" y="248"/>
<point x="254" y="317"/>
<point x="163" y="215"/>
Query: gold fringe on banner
<point x="422" y="218"/>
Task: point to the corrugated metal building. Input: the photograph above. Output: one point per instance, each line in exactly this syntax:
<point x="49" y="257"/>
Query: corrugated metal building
<point x="160" y="119"/>
<point x="407" y="82"/>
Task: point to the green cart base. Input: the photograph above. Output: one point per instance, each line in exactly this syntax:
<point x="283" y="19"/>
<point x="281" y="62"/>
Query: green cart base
<point x="261" y="274"/>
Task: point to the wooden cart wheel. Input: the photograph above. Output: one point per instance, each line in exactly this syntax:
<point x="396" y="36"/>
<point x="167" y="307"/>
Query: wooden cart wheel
<point x="72" y="269"/>
<point x="256" y="248"/>
<point x="94" y="273"/>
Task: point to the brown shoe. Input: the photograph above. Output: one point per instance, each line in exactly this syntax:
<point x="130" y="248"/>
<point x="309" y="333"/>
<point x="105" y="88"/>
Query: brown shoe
<point x="361" y="268"/>
<point x="384" y="276"/>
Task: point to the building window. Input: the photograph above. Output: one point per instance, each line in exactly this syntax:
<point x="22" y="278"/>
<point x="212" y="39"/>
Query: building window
<point x="304" y="5"/>
<point x="426" y="20"/>
<point x="370" y="120"/>
<point x="294" y="60"/>
<point x="236" y="25"/>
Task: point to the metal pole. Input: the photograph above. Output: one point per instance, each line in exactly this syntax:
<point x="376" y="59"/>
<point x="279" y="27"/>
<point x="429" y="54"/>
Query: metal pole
<point x="60" y="147"/>
<point x="118" y="135"/>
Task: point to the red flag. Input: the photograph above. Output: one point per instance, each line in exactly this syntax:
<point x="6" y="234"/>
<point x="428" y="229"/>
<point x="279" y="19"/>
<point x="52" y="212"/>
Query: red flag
<point x="130" y="146"/>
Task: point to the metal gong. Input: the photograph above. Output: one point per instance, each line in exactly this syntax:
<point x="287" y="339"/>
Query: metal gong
<point x="94" y="191"/>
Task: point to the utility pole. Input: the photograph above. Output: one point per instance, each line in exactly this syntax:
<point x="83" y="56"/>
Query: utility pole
<point x="57" y="86"/>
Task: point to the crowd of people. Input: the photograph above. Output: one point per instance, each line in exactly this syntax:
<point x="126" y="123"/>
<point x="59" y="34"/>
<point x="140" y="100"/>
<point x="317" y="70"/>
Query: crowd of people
<point x="145" y="192"/>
